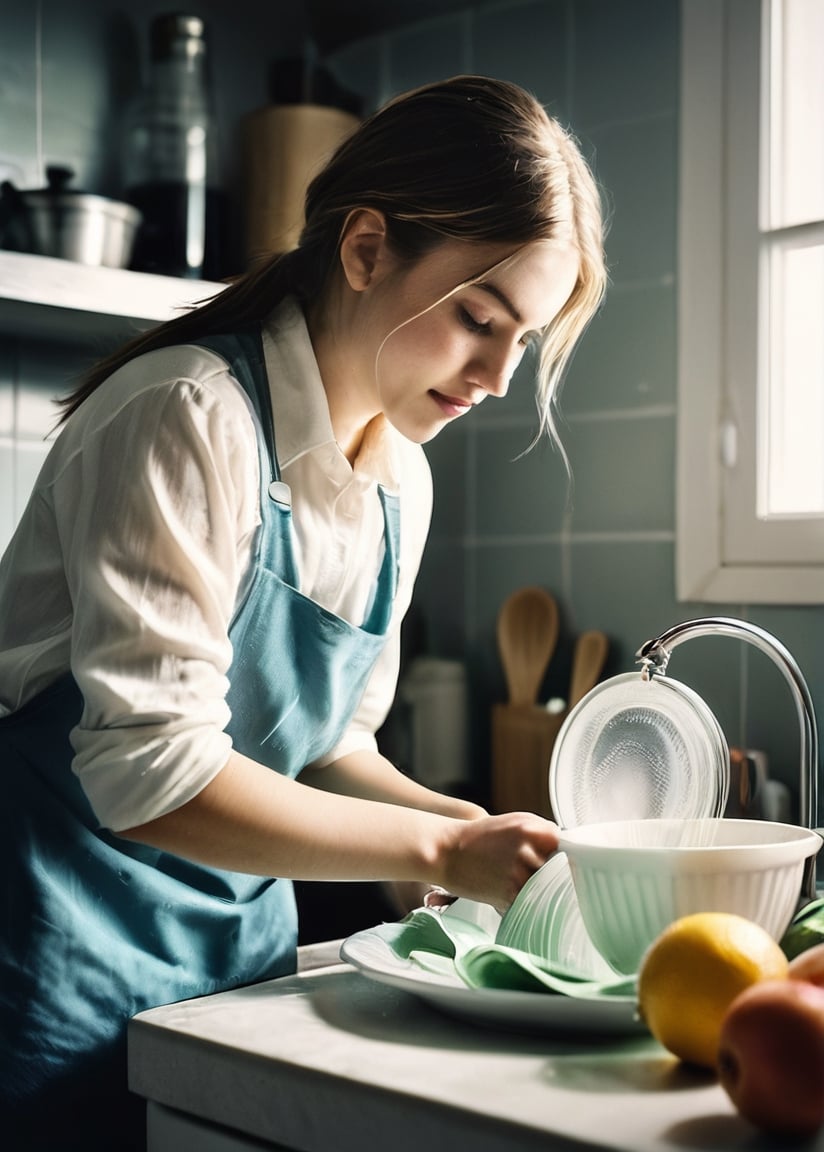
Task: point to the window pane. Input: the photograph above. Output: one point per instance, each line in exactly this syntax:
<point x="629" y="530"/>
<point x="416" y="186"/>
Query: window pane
<point x="797" y="113"/>
<point x="791" y="456"/>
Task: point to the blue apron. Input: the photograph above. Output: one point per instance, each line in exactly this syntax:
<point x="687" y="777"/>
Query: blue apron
<point x="94" y="928"/>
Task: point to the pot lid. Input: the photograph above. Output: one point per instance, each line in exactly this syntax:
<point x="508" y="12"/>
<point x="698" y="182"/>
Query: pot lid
<point x="58" y="178"/>
<point x="59" y="196"/>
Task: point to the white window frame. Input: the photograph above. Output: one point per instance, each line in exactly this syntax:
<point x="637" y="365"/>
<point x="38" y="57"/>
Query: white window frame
<point x="710" y="322"/>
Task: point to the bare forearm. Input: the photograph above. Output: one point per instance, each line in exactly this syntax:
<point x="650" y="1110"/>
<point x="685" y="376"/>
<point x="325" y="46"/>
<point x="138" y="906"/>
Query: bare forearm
<point x="370" y="776"/>
<point x="250" y="819"/>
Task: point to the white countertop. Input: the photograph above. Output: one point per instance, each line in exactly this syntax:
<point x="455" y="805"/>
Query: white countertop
<point x="330" y="1059"/>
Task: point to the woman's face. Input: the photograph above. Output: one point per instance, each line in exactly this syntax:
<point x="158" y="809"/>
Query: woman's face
<point x="433" y="368"/>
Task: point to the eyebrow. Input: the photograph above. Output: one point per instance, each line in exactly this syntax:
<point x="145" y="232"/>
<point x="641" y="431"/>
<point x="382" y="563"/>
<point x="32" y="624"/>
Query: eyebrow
<point x="502" y="298"/>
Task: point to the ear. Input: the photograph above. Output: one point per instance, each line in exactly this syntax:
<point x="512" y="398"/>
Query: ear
<point x="363" y="250"/>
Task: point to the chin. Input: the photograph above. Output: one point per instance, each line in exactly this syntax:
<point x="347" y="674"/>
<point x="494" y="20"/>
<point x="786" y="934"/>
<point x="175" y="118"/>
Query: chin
<point x="417" y="433"/>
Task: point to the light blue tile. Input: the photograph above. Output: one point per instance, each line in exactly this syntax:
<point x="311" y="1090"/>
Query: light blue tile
<point x="439" y="599"/>
<point x="361" y="67"/>
<point x="637" y="165"/>
<point x="628" y="356"/>
<point x="623" y="474"/>
<point x="47" y="371"/>
<point x="18" y="143"/>
<point x="526" y="42"/>
<point x="770" y="710"/>
<point x="37" y="414"/>
<point x="517" y="494"/>
<point x="431" y="50"/>
<point x="801" y="631"/>
<point x="625" y="60"/>
<point x="7" y="389"/>
<point x="447" y="459"/>
<point x="83" y="101"/>
<point x="626" y="588"/>
<point x="500" y="571"/>
<point x="8" y="518"/>
<point x="28" y="460"/>
<point x="52" y="363"/>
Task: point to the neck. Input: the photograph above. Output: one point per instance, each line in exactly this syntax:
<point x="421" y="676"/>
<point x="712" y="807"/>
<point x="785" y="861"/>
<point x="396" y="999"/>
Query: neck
<point x="352" y="403"/>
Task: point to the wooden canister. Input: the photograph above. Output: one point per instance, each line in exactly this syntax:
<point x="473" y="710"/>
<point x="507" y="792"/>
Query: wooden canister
<point x="284" y="146"/>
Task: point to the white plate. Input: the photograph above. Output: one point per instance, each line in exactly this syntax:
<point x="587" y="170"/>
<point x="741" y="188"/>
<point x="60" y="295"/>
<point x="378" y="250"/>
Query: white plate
<point x="370" y="953"/>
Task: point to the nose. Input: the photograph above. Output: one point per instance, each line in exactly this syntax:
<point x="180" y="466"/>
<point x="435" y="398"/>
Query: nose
<point x="494" y="370"/>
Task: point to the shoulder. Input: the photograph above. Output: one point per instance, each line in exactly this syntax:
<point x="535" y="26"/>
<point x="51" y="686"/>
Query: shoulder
<point x="185" y="382"/>
<point x="187" y="368"/>
<point x="165" y="411"/>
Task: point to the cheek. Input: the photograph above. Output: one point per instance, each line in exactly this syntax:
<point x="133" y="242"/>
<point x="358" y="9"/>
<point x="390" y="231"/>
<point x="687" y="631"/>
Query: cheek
<point x="423" y="349"/>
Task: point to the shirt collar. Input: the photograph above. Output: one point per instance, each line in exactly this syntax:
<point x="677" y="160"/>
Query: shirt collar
<point x="302" y="420"/>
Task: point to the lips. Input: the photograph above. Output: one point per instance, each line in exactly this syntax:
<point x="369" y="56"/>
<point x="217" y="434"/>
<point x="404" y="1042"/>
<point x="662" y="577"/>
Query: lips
<point x="450" y="405"/>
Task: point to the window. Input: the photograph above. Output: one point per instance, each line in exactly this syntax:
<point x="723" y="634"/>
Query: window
<point x="750" y="515"/>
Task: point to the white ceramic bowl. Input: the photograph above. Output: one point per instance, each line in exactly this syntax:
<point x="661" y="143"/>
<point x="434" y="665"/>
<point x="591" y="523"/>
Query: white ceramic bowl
<point x="634" y="877"/>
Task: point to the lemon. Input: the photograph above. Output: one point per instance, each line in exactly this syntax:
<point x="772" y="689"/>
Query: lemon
<point x="692" y="972"/>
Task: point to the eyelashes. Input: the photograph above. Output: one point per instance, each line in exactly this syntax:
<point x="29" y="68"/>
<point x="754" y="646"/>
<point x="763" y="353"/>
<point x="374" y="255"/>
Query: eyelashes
<point x="484" y="328"/>
<point x="469" y="322"/>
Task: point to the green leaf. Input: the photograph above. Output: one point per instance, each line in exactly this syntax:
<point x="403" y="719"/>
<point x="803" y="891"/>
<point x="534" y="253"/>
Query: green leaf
<point x="805" y="931"/>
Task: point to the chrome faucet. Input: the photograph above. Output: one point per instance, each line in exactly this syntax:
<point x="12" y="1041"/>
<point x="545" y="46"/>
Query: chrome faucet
<point x="654" y="657"/>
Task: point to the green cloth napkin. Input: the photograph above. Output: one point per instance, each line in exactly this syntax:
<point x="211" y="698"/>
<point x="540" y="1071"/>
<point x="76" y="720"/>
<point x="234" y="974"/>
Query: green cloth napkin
<point x="444" y="944"/>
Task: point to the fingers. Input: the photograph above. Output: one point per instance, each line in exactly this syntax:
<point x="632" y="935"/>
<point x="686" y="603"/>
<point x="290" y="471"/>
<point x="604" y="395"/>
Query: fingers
<point x="438" y="898"/>
<point x="493" y="858"/>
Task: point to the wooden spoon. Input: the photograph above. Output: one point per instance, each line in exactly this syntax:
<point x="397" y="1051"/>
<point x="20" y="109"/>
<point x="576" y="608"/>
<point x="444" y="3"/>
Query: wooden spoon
<point x="588" y="661"/>
<point x="527" y="635"/>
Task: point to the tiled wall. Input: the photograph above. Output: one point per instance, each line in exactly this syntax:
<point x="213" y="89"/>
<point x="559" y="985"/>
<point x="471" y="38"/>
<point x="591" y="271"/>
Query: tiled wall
<point x="610" y="68"/>
<point x="605" y="549"/>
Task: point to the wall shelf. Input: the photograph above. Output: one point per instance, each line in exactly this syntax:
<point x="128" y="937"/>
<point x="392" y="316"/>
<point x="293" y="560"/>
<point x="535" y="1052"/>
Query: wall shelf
<point x="60" y="300"/>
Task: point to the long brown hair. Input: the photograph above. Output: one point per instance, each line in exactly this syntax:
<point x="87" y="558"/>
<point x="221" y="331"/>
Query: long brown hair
<point x="470" y="158"/>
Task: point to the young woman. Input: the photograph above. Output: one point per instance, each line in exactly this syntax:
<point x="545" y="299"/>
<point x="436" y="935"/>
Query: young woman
<point x="200" y="609"/>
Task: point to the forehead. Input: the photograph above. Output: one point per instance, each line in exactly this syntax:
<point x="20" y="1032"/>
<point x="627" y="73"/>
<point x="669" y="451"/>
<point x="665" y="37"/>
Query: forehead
<point x="531" y="283"/>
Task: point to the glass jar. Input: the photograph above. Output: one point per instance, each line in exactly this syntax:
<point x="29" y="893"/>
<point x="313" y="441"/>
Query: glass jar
<point x="171" y="156"/>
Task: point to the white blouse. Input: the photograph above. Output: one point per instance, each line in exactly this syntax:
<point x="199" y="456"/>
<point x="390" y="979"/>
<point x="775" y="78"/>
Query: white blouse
<point x="134" y="550"/>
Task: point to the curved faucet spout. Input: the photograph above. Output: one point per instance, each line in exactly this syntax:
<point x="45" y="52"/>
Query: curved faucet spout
<point x="655" y="654"/>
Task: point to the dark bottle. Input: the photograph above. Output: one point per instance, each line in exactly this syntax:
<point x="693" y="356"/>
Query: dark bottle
<point x="171" y="158"/>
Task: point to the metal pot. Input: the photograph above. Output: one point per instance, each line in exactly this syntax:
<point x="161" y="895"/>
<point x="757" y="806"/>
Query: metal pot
<point x="62" y="222"/>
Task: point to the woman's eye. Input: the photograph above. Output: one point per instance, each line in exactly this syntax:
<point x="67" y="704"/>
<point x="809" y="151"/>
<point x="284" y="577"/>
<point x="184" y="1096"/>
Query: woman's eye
<point x="473" y="325"/>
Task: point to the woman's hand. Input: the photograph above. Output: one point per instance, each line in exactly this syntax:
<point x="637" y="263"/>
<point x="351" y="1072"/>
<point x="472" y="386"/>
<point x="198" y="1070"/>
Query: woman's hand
<point x="491" y="859"/>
